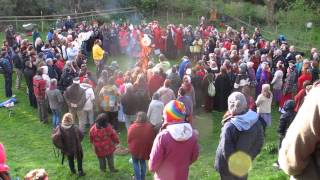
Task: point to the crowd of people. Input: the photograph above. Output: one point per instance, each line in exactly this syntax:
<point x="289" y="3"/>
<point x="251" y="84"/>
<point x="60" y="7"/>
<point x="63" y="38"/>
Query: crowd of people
<point x="229" y="71"/>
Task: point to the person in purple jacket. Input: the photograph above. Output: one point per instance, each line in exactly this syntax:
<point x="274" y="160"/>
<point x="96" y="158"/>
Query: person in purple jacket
<point x="176" y="146"/>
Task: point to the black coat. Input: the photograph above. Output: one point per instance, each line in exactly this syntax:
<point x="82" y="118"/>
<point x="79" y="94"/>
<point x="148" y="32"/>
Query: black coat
<point x="223" y="89"/>
<point x="129" y="103"/>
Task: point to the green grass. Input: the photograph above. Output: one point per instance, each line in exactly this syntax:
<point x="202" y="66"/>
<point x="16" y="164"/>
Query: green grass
<point x="28" y="145"/>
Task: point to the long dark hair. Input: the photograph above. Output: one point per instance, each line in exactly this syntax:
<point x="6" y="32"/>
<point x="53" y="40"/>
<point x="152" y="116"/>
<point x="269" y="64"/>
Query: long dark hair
<point x="102" y="121"/>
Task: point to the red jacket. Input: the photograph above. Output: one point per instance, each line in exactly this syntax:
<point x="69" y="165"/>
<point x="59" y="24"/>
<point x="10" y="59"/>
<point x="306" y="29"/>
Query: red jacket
<point x="157" y="37"/>
<point x="298" y="99"/>
<point x="140" y="140"/>
<point x="303" y="78"/>
<point x="178" y="38"/>
<point x="104" y="140"/>
<point x="156" y="81"/>
<point x="39" y="87"/>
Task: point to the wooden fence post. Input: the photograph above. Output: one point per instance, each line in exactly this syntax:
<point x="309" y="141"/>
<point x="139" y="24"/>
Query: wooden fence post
<point x="41" y="22"/>
<point x="17" y="24"/>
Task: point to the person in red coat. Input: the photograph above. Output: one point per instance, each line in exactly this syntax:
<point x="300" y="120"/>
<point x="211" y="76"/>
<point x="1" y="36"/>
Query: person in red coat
<point x="157" y="36"/>
<point x="39" y="90"/>
<point x="104" y="140"/>
<point x="140" y="139"/>
<point x="155" y="82"/>
<point x="299" y="98"/>
<point x="305" y="76"/>
<point x="179" y="39"/>
<point x="123" y="39"/>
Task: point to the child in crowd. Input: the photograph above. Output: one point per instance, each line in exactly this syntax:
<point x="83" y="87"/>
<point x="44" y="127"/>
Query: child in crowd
<point x="104" y="140"/>
<point x="285" y="121"/>
<point x="263" y="103"/>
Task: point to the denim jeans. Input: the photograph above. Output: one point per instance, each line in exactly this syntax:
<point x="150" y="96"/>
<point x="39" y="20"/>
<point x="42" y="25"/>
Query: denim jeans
<point x="8" y="84"/>
<point x="139" y="167"/>
<point x="56" y="115"/>
<point x="129" y="120"/>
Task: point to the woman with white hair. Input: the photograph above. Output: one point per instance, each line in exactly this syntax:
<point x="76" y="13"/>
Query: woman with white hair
<point x="277" y="82"/>
<point x="241" y="132"/>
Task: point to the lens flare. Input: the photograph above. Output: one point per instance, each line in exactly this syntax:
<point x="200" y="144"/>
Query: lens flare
<point x="239" y="163"/>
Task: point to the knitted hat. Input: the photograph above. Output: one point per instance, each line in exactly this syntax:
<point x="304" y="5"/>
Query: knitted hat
<point x="237" y="103"/>
<point x="174" y="112"/>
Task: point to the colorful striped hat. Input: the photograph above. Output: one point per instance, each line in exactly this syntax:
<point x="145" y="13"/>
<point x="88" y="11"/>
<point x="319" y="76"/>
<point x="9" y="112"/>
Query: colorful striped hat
<point x="174" y="112"/>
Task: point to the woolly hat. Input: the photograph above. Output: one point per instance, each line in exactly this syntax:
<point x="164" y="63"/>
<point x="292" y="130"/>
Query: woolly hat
<point x="3" y="166"/>
<point x="174" y="112"/>
<point x="237" y="103"/>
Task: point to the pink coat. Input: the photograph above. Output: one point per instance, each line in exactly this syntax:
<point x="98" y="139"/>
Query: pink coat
<point x="3" y="159"/>
<point x="173" y="151"/>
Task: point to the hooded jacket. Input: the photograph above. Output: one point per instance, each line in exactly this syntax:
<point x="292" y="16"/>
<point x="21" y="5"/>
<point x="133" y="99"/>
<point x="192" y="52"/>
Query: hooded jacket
<point x="173" y="151"/>
<point x="239" y="133"/>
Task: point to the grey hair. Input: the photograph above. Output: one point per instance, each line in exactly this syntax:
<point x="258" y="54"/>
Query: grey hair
<point x="237" y="103"/>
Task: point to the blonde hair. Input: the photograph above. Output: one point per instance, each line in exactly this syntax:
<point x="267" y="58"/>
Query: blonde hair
<point x="266" y="90"/>
<point x="67" y="119"/>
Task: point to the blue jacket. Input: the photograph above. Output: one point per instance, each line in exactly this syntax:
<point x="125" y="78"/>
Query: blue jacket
<point x="239" y="133"/>
<point x="6" y="65"/>
<point x="182" y="67"/>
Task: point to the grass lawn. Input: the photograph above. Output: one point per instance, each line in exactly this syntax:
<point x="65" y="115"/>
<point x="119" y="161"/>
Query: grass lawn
<point x="28" y="145"/>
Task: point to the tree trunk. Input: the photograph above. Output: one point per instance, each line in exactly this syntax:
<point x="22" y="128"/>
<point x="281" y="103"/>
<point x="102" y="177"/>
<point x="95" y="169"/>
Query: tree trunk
<point x="270" y="11"/>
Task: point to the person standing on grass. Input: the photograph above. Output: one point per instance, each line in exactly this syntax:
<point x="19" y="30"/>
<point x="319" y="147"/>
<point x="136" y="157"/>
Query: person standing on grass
<point x="67" y="137"/>
<point x="241" y="131"/>
<point x="284" y="122"/>
<point x="39" y="89"/>
<point x="75" y="97"/>
<point x="264" y="103"/>
<point x="109" y="101"/>
<point x="29" y="72"/>
<point x="129" y="103"/>
<point x="140" y="138"/>
<point x="55" y="99"/>
<point x="104" y="140"/>
<point x="88" y="107"/>
<point x="7" y="68"/>
<point x="176" y="146"/>
<point x="18" y="64"/>
<point x="98" y="53"/>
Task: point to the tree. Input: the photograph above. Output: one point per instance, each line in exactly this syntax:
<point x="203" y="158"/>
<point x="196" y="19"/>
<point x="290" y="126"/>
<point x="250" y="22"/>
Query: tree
<point x="270" y="11"/>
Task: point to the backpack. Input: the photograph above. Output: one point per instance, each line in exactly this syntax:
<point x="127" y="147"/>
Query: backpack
<point x="108" y="101"/>
<point x="211" y="88"/>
